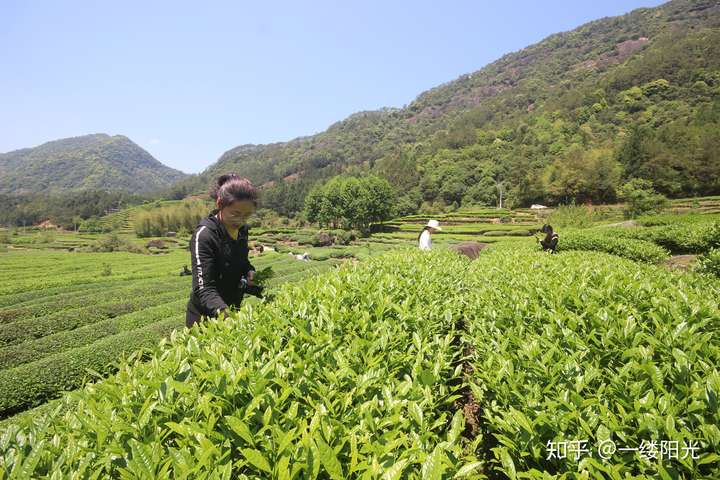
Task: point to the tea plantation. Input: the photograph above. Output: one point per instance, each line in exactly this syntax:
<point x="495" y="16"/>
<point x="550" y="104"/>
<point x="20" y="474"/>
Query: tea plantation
<point x="65" y="317"/>
<point x="596" y="362"/>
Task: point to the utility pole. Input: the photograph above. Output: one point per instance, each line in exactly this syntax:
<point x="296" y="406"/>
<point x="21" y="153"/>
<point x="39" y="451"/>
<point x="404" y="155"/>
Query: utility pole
<point x="501" y="189"/>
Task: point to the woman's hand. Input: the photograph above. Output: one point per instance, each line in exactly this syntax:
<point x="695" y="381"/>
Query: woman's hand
<point x="251" y="277"/>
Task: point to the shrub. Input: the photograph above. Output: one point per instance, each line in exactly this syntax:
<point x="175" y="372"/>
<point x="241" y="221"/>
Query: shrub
<point x="638" y="250"/>
<point x="94" y="225"/>
<point x="579" y="347"/>
<point x="678" y="238"/>
<point x="713" y="235"/>
<point x="161" y="219"/>
<point x="413" y="365"/>
<point x="37" y="349"/>
<point x="52" y="301"/>
<point x="280" y="248"/>
<point x="106" y="270"/>
<point x="709" y="262"/>
<point x="114" y="243"/>
<point x="343" y="237"/>
<point x="303" y="238"/>
<point x="47" y="236"/>
<point x="322" y="239"/>
<point x="328" y="373"/>
<point x="578" y="216"/>
<point x="156" y="244"/>
<point x="640" y="198"/>
<point x="17" y="332"/>
<point x="507" y="233"/>
<point x="674" y="219"/>
<point x="36" y="382"/>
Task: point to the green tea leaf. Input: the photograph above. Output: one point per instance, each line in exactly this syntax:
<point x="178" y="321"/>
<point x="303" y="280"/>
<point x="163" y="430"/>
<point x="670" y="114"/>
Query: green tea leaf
<point x="467" y="469"/>
<point x="256" y="459"/>
<point x="432" y="467"/>
<point x="394" y="472"/>
<point x="241" y="428"/>
<point x="329" y="459"/>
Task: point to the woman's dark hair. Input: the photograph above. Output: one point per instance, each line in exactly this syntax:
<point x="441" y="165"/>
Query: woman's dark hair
<point x="232" y="187"/>
<point x="421" y="231"/>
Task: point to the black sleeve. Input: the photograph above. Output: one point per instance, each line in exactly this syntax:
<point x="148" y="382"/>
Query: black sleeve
<point x="204" y="271"/>
<point x="247" y="235"/>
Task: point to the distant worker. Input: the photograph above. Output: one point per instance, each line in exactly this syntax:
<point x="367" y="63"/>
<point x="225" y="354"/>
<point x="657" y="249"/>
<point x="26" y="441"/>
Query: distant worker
<point x="549" y="243"/>
<point x="424" y="238"/>
<point x="219" y="250"/>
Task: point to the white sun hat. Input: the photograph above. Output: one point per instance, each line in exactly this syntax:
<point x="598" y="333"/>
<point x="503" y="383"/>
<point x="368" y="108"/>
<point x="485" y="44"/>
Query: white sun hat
<point x="434" y="224"/>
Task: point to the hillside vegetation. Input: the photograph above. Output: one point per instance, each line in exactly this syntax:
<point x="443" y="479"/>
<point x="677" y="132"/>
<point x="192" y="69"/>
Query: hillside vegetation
<point x="570" y="118"/>
<point x="90" y="162"/>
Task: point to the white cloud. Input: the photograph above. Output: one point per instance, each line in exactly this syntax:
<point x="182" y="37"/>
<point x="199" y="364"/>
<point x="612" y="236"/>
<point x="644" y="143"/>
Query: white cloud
<point x="154" y="141"/>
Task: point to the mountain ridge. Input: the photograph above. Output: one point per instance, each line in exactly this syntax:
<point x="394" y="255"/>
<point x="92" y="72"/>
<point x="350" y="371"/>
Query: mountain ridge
<point x="88" y="162"/>
<point x="553" y="80"/>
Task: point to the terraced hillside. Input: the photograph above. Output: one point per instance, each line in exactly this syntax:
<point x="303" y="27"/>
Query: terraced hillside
<point x="490" y="225"/>
<point x="64" y="315"/>
<point x="479" y="224"/>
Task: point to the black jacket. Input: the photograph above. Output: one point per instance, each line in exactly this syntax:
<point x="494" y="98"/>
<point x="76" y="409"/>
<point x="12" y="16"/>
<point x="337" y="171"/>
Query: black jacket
<point x="549" y="243"/>
<point x="218" y="264"/>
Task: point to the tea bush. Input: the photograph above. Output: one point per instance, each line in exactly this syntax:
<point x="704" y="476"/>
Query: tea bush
<point x="678" y="238"/>
<point x="411" y="365"/>
<point x="585" y="346"/>
<point x="599" y="241"/>
<point x="345" y="375"/>
<point x="710" y="262"/>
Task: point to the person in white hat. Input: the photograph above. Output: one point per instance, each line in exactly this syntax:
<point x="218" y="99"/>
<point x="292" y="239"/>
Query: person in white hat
<point x="424" y="238"/>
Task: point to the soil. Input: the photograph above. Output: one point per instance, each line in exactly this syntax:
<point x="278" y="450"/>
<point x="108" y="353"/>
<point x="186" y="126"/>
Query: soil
<point x="470" y="249"/>
<point x="680" y="262"/>
<point x="467" y="403"/>
<point x="288" y="243"/>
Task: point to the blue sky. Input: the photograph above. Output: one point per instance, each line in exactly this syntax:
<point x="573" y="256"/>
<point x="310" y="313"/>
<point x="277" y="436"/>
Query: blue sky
<point x="190" y="80"/>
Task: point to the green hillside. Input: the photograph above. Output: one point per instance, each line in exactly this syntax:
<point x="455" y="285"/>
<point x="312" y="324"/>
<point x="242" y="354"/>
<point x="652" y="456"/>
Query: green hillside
<point x="90" y="162"/>
<point x="569" y="118"/>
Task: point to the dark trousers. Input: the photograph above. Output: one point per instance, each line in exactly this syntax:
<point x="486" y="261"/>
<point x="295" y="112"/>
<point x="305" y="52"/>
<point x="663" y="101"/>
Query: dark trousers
<point x="192" y="314"/>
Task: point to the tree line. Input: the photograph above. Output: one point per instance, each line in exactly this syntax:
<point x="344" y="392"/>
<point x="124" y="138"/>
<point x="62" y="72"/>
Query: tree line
<point x="181" y="218"/>
<point x="67" y="210"/>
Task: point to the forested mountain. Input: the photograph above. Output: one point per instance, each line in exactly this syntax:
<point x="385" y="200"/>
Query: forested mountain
<point x="569" y="118"/>
<point x="91" y="162"/>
